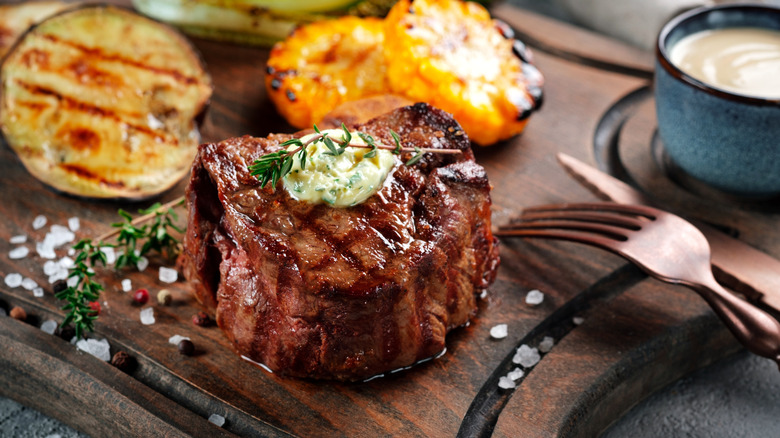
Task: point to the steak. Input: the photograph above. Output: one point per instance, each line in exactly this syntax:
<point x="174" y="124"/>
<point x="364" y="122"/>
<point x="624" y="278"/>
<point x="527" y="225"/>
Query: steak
<point x="342" y="293"/>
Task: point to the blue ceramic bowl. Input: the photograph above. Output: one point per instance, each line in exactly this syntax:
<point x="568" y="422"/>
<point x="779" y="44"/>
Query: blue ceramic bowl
<point x="726" y="140"/>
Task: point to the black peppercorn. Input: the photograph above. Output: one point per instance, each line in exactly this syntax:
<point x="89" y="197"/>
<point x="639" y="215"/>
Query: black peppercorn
<point x="186" y="347"/>
<point x="123" y="361"/>
<point x="66" y="333"/>
<point x="59" y="286"/>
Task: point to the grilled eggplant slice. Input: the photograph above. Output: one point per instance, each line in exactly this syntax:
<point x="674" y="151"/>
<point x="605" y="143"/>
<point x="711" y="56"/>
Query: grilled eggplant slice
<point x="16" y="19"/>
<point x="101" y="102"/>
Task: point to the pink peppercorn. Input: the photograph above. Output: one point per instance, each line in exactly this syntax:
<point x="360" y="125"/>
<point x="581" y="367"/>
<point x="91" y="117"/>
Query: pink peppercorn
<point x="141" y="296"/>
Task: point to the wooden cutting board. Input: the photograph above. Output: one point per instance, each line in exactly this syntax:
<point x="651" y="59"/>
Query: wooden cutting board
<point x="637" y="335"/>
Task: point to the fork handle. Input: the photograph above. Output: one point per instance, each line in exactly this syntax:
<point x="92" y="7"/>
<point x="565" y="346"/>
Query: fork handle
<point x="757" y="330"/>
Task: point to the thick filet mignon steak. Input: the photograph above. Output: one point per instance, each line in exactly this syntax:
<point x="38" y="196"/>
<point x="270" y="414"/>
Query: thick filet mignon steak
<point x="342" y="293"/>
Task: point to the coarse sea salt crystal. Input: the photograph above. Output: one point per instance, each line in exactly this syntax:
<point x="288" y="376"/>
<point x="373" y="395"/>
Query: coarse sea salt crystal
<point x="577" y="320"/>
<point x="29" y="284"/>
<point x="54" y="435"/>
<point x="168" y="275"/>
<point x="61" y="274"/>
<point x="72" y="281"/>
<point x="50" y="267"/>
<point x="547" y="344"/>
<point x="100" y="349"/>
<point x="175" y="339"/>
<point x="534" y="297"/>
<point x="110" y="254"/>
<point x="38" y="292"/>
<point x="526" y="356"/>
<point x="18" y="253"/>
<point x="59" y="235"/>
<point x="483" y="294"/>
<point x="142" y="264"/>
<point x="16" y="240"/>
<point x="49" y="326"/>
<point x="74" y="224"/>
<point x="39" y="222"/>
<point x="506" y="383"/>
<point x="147" y="316"/>
<point x="127" y="285"/>
<point x="66" y="262"/>
<point x="45" y="250"/>
<point x="516" y="374"/>
<point x="217" y="419"/>
<point x="498" y="331"/>
<point x="13" y="280"/>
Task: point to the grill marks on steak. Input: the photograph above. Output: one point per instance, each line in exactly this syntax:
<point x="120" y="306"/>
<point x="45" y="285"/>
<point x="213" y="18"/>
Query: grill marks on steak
<point x="344" y="293"/>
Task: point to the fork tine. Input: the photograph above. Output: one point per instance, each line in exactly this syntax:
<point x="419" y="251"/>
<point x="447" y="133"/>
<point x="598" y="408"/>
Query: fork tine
<point x="618" y="220"/>
<point x="578" y="236"/>
<point x="638" y="210"/>
<point x="614" y="232"/>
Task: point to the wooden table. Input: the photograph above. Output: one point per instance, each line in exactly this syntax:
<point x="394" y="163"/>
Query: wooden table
<point x="637" y="335"/>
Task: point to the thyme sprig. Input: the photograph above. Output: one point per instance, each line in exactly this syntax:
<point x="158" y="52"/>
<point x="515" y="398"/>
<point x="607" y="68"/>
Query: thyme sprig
<point x="85" y="290"/>
<point x="82" y="289"/>
<point x="274" y="166"/>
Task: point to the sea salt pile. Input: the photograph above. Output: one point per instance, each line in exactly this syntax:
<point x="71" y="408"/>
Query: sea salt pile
<point x="55" y="238"/>
<point x="18" y="253"/>
<point x="217" y="419"/>
<point x="534" y="298"/>
<point x="100" y="349"/>
<point x="499" y="331"/>
<point x="57" y="270"/>
<point x="147" y="316"/>
<point x="175" y="339"/>
<point x="13" y="280"/>
<point x="547" y="344"/>
<point x="127" y="285"/>
<point x="526" y="356"/>
<point x="49" y="326"/>
<point x="506" y="383"/>
<point x="168" y="275"/>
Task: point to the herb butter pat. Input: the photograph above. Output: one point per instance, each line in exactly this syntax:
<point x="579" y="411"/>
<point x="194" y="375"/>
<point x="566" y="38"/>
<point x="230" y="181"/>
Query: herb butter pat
<point x="340" y="180"/>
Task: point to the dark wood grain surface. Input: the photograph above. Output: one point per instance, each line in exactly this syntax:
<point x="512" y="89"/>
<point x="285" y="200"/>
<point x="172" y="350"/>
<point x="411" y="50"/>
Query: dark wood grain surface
<point x="637" y="334"/>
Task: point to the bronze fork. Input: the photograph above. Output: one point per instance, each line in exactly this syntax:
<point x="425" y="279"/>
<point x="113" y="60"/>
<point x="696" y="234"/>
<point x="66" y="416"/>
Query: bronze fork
<point x="665" y="246"/>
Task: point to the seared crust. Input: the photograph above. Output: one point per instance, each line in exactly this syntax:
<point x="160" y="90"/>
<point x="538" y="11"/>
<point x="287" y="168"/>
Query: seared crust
<point x="342" y="293"/>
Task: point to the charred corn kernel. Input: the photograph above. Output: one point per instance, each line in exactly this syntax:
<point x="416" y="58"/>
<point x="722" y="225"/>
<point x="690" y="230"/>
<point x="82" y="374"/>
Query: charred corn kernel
<point x="325" y="64"/>
<point x="452" y="55"/>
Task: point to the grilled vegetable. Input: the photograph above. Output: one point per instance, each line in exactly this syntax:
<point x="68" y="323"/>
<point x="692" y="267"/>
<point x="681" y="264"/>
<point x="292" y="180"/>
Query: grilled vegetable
<point x="15" y="19"/>
<point x="325" y="64"/>
<point x="101" y="102"/>
<point x="452" y="55"/>
<point x="253" y="22"/>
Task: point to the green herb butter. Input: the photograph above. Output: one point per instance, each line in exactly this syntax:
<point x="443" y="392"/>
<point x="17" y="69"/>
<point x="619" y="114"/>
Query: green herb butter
<point x="339" y="180"/>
